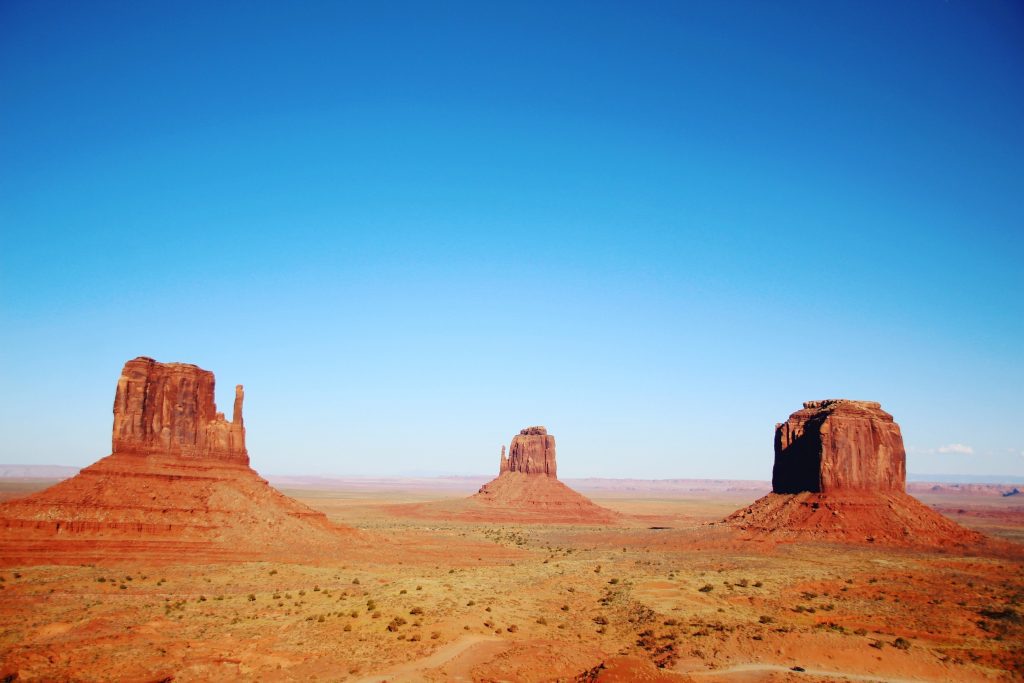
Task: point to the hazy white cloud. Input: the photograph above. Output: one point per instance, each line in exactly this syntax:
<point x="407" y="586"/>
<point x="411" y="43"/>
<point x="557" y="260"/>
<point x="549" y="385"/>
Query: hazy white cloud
<point x="956" y="448"/>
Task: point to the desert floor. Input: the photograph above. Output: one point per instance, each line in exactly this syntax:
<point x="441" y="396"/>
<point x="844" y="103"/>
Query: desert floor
<point x="422" y="599"/>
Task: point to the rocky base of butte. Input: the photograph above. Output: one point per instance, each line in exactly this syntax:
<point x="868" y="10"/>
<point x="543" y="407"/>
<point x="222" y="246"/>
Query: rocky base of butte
<point x="840" y="474"/>
<point x="177" y="483"/>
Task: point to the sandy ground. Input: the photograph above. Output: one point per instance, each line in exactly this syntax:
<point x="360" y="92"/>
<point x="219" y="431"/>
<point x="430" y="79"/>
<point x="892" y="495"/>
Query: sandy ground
<point x="436" y="600"/>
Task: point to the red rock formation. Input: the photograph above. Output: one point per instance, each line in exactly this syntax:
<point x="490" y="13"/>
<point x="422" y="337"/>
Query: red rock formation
<point x="840" y="475"/>
<point x="169" y="409"/>
<point x="178" y="484"/>
<point x="526" y="490"/>
<point x="533" y="452"/>
<point x="527" y="487"/>
<point x="836" y="445"/>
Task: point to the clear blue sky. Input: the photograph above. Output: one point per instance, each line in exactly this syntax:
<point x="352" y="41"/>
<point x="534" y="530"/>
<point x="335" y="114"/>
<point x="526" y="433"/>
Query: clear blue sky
<point x="412" y="229"/>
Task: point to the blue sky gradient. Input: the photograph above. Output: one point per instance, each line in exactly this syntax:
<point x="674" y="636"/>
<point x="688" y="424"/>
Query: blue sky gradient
<point x="412" y="229"/>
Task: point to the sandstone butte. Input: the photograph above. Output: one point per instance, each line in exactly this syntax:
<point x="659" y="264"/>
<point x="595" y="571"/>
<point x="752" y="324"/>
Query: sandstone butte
<point x="840" y="474"/>
<point x="527" y="488"/>
<point x="177" y="482"/>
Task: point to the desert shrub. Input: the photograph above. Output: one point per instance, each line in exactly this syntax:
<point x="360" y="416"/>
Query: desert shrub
<point x="765" y="619"/>
<point x="273" y="571"/>
<point x="512" y="628"/>
<point x="348" y="627"/>
<point x="396" y="623"/>
<point x="613" y="581"/>
<point x="743" y="583"/>
<point x="706" y="588"/>
<point x="354" y="614"/>
<point x="402" y="592"/>
<point x="564" y="608"/>
<point x="877" y="644"/>
<point x="302" y="592"/>
<point x="758" y="584"/>
<point x="487" y="609"/>
<point x="371" y="605"/>
<point x="316" y="589"/>
<point x="671" y="622"/>
<point x="123" y="587"/>
<point x="376" y="615"/>
<point x="601" y="619"/>
<point x="901" y="644"/>
<point x="435" y="635"/>
<point x="416" y="610"/>
<point x="860" y="632"/>
<point x="470" y="603"/>
<point x="1009" y="614"/>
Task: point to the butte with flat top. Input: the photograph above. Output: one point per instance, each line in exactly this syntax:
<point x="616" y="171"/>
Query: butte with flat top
<point x="177" y="481"/>
<point x="840" y="474"/>
<point x="526" y="490"/>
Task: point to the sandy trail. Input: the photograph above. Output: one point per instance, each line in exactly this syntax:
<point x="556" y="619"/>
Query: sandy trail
<point x="754" y="667"/>
<point x="414" y="670"/>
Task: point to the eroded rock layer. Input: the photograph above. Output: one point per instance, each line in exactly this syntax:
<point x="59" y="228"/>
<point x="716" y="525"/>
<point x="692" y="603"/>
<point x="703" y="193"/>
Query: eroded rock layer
<point x="177" y="486"/>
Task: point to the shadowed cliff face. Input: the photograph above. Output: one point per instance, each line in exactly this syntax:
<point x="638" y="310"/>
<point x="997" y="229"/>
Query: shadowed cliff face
<point x="169" y="409"/>
<point x="532" y="452"/>
<point x="837" y="445"/>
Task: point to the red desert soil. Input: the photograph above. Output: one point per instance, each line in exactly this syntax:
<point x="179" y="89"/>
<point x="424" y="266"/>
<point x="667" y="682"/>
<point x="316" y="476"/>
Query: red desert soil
<point x="529" y="602"/>
<point x="250" y="584"/>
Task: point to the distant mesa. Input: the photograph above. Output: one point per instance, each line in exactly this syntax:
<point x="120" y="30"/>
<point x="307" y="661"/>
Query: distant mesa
<point x="840" y="474"/>
<point x="526" y="490"/>
<point x="527" y="487"/>
<point x="178" y="481"/>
